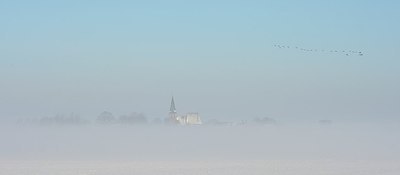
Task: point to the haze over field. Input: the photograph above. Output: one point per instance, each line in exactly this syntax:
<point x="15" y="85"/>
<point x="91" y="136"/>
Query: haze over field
<point x="274" y="149"/>
<point x="283" y="142"/>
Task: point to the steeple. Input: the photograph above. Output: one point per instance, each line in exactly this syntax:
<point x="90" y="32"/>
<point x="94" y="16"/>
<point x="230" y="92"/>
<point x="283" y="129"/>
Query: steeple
<point x="172" y="108"/>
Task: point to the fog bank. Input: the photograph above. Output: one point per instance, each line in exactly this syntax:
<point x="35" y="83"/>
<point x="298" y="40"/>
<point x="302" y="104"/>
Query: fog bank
<point x="344" y="141"/>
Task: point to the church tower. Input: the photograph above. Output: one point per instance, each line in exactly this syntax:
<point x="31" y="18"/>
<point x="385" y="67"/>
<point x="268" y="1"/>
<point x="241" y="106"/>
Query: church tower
<point x="173" y="116"/>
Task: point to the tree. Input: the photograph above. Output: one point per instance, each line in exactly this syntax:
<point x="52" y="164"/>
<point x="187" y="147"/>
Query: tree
<point x="134" y="118"/>
<point x="106" y="117"/>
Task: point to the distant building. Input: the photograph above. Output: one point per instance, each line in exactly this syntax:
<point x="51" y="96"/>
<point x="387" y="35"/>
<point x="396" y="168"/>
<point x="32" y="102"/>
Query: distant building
<point x="173" y="116"/>
<point x="188" y="119"/>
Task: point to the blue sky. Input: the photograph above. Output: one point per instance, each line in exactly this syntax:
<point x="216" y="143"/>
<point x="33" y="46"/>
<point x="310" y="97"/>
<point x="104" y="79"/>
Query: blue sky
<point x="216" y="57"/>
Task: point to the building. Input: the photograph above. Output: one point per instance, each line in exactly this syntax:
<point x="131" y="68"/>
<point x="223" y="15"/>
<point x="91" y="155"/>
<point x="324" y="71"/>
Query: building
<point x="188" y="119"/>
<point x="173" y="116"/>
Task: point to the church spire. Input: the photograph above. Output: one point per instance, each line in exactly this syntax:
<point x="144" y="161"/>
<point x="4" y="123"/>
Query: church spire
<point x="172" y="108"/>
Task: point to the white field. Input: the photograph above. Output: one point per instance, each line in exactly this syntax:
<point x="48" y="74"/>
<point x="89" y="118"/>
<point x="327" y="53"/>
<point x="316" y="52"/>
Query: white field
<point x="229" y="167"/>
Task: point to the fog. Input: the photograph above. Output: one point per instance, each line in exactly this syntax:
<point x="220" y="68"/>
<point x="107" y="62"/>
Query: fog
<point x="282" y="141"/>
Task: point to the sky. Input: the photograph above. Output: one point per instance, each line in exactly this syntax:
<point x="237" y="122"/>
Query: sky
<point x="215" y="57"/>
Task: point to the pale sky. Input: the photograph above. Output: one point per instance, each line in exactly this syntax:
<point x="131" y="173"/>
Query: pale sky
<point x="216" y="57"/>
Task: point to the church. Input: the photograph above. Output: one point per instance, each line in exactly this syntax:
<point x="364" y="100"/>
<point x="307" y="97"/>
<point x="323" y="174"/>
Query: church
<point x="188" y="119"/>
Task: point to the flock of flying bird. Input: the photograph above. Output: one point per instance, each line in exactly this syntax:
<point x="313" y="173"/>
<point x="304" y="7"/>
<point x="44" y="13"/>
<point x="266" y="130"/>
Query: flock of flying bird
<point x="345" y="52"/>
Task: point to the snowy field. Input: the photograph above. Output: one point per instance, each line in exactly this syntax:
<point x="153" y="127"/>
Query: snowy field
<point x="337" y="149"/>
<point x="199" y="168"/>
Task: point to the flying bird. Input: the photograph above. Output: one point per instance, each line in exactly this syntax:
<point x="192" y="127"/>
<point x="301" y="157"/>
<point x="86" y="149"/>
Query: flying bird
<point x="345" y="52"/>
